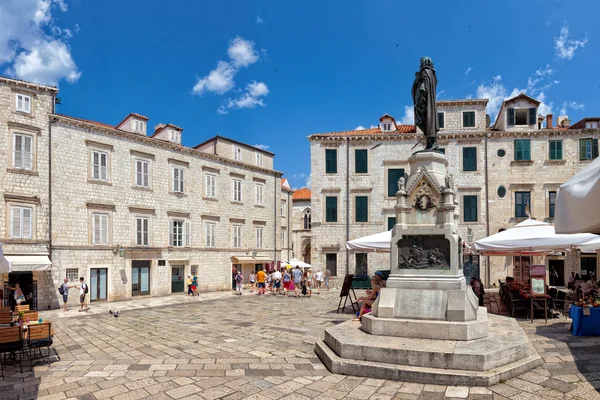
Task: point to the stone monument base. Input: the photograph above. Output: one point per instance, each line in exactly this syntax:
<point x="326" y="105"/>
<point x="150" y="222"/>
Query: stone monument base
<point x="505" y="353"/>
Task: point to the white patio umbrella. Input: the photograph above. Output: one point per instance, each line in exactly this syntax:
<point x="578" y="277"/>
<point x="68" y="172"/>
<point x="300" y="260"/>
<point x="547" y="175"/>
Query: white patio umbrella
<point x="578" y="201"/>
<point x="528" y="237"/>
<point x="379" y="242"/>
<point x="294" y="262"/>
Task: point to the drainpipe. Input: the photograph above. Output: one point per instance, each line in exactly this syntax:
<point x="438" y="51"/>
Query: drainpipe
<point x="275" y="221"/>
<point x="289" y="225"/>
<point x="50" y="177"/>
<point x="487" y="210"/>
<point x="347" y="204"/>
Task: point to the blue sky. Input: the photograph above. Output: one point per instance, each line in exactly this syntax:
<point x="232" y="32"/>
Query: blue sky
<point x="273" y="72"/>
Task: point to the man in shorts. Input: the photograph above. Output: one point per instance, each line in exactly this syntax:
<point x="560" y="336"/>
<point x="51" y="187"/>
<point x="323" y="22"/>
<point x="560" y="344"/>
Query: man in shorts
<point x="261" y="279"/>
<point x="318" y="281"/>
<point x="297" y="276"/>
<point x="287" y="279"/>
<point x="83" y="289"/>
<point x="276" y="277"/>
<point x="65" y="293"/>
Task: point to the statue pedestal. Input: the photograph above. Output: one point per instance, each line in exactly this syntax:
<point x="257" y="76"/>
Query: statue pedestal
<point x="426" y="325"/>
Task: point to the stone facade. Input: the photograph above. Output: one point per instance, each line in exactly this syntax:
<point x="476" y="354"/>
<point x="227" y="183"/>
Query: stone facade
<point x="301" y="226"/>
<point x="388" y="150"/>
<point x="135" y="214"/>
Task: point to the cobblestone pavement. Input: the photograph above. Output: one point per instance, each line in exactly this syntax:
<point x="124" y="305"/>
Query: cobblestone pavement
<point x="224" y="346"/>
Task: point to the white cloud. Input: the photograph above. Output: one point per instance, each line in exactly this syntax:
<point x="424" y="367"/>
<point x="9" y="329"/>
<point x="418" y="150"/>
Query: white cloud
<point x="565" y="48"/>
<point x="359" y="128"/>
<point x="32" y="46"/>
<point x="249" y="99"/>
<point x="241" y="52"/>
<point x="219" y="80"/>
<point x="573" y="105"/>
<point x="257" y="89"/>
<point x="409" y="116"/>
<point x="495" y="92"/>
<point x="259" y="20"/>
<point x="261" y="146"/>
<point x="468" y="70"/>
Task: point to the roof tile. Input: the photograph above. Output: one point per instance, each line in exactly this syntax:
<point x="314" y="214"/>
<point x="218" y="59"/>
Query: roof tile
<point x="301" y="194"/>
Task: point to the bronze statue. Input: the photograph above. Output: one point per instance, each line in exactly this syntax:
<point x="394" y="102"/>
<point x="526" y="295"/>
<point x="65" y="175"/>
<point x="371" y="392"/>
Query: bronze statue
<point x="423" y="94"/>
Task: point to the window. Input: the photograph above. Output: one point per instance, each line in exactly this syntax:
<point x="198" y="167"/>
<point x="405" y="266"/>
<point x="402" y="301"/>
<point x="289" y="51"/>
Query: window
<point x="142" y="236"/>
<point x="306" y="219"/>
<point x="237" y="190"/>
<point x="236" y="236"/>
<point x="521" y="116"/>
<point x="501" y="153"/>
<point x="469" y="158"/>
<point x="331" y="161"/>
<point x="259" y="193"/>
<point x="440" y="121"/>
<point x="362" y="266"/>
<point x="139" y="126"/>
<point x="331" y="209"/>
<point x="470" y="208"/>
<point x="237" y="153"/>
<point x="391" y="222"/>
<point x="360" y="161"/>
<point x="23" y="151"/>
<point x="72" y="274"/>
<point x="259" y="159"/>
<point x="283" y="203"/>
<point x="591" y="125"/>
<point x="331" y="263"/>
<point x="21" y="221"/>
<point x="259" y="237"/>
<point x="99" y="165"/>
<point x="211" y="186"/>
<point x="209" y="234"/>
<point x="468" y="119"/>
<point x="522" y="150"/>
<point x="386" y="127"/>
<point x="392" y="182"/>
<point x="555" y="147"/>
<point x="180" y="233"/>
<point x="501" y="191"/>
<point x="100" y="229"/>
<point x="551" y="203"/>
<point x="177" y="179"/>
<point x="362" y="208"/>
<point x="142" y="173"/>
<point x="282" y="238"/>
<point x="522" y="204"/>
<point x="23" y="103"/>
<point x="588" y="149"/>
<point x="174" y="136"/>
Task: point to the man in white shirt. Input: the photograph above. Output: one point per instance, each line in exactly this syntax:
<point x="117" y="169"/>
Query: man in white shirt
<point x="276" y="278"/>
<point x="318" y="281"/>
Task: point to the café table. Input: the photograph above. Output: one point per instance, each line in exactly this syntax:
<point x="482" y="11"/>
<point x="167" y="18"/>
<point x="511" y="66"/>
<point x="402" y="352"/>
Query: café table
<point x="535" y="302"/>
<point x="585" y="325"/>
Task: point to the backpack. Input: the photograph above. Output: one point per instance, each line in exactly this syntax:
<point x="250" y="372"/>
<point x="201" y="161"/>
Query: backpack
<point x="61" y="289"/>
<point x="85" y="288"/>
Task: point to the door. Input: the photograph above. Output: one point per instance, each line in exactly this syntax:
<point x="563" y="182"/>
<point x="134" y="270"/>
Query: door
<point x="25" y="281"/>
<point x="559" y="267"/>
<point x="588" y="266"/>
<point x="177" y="282"/>
<point x="140" y="278"/>
<point x="471" y="267"/>
<point x="98" y="284"/>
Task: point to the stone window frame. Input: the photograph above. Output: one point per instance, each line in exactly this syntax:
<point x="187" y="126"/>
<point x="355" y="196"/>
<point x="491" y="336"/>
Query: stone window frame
<point x="21" y="204"/>
<point x="109" y="233"/>
<point x="21" y="130"/>
<point x="368" y="196"/>
<point x="181" y="179"/>
<point x="101" y="148"/>
<point x="354" y="161"/>
<point x="337" y="208"/>
<point x="462" y="158"/>
<point x="206" y="185"/>
<point x="31" y="106"/>
<point x="258" y="185"/>
<point x="135" y="217"/>
<point x="522" y="188"/>
<point x="283" y="234"/>
<point x="233" y="236"/>
<point x="134" y="161"/>
<point x="233" y="190"/>
<point x="283" y="208"/>
<point x="477" y="203"/>
<point x="259" y="159"/>
<point x="549" y="187"/>
<point x="186" y="231"/>
<point x="462" y="119"/>
<point x="72" y="274"/>
<point x="562" y="150"/>
<point x="208" y="243"/>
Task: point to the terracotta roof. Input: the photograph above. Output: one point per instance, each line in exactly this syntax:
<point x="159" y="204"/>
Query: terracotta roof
<point x="159" y="130"/>
<point x="217" y="137"/>
<point x="301" y="194"/>
<point x="21" y="82"/>
<point x="133" y="115"/>
<point x="370" y="131"/>
<point x="522" y="96"/>
<point x="285" y="184"/>
<point x="88" y="121"/>
<point x="386" y="115"/>
<point x="578" y="124"/>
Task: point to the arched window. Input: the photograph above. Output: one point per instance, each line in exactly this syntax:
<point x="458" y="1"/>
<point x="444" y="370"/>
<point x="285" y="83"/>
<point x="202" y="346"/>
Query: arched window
<point x="306" y="219"/>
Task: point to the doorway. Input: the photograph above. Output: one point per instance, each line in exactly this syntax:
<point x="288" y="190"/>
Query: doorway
<point x="588" y="266"/>
<point x="140" y="278"/>
<point x="177" y="282"/>
<point x="25" y="281"/>
<point x="98" y="284"/>
<point x="471" y="267"/>
<point x="559" y="267"/>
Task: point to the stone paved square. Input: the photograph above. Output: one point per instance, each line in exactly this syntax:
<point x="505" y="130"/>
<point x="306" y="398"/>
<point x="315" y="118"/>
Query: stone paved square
<point x="223" y="346"/>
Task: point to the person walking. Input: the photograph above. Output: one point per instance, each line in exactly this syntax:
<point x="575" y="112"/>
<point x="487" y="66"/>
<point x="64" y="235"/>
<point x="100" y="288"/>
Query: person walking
<point x="287" y="279"/>
<point x="64" y="291"/>
<point x="297" y="278"/>
<point x="261" y="279"/>
<point x="308" y="281"/>
<point x="276" y="278"/>
<point x="327" y="276"/>
<point x="83" y="290"/>
<point x="239" y="282"/>
<point x="195" y="286"/>
<point x="189" y="285"/>
<point x="252" y="279"/>
<point x="318" y="281"/>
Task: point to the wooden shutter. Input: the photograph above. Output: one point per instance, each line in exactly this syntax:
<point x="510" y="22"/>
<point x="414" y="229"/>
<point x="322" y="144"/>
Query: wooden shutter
<point x="532" y="115"/>
<point x="18" y="152"/>
<point x="146" y="173"/>
<point x="104" y="166"/>
<point x="362" y="209"/>
<point x="15" y="222"/>
<point x="27" y="152"/>
<point x="526" y="149"/>
<point x="511" y="116"/>
<point x="440" y="117"/>
<point x="171" y="233"/>
<point x="186" y="233"/>
<point x="19" y="102"/>
<point x="27" y="221"/>
<point x="331" y="161"/>
<point x="360" y="161"/>
<point x="469" y="159"/>
<point x="96" y="229"/>
<point x="594" y="148"/>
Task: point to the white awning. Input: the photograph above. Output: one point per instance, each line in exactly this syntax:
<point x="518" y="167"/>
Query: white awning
<point x="29" y="263"/>
<point x="379" y="242"/>
<point x="251" y="259"/>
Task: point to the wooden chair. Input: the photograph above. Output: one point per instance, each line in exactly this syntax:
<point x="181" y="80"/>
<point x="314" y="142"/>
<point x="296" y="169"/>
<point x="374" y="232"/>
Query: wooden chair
<point x="22" y="308"/>
<point x="5" y="317"/>
<point x="517" y="304"/>
<point x="38" y="337"/>
<point x="11" y="342"/>
<point x="30" y="315"/>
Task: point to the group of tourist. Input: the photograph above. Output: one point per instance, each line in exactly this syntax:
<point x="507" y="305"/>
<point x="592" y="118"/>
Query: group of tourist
<point x="295" y="280"/>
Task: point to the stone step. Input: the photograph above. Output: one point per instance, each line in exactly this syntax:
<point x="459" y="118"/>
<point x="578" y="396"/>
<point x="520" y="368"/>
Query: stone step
<point x="409" y="373"/>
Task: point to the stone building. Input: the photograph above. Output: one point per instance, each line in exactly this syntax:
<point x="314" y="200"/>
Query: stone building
<point x="286" y="221"/>
<point x="354" y="178"/>
<point x="301" y="225"/>
<point x="133" y="213"/>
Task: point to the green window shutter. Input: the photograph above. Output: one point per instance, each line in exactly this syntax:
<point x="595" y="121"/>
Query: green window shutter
<point x="331" y="209"/>
<point x="360" y="161"/>
<point x="441" y="121"/>
<point x="527" y="149"/>
<point x="468" y="119"/>
<point x="518" y="153"/>
<point x="511" y="116"/>
<point x="582" y="149"/>
<point x="532" y="115"/>
<point x="392" y="184"/>
<point x="470" y="208"/>
<point x="469" y="158"/>
<point x="559" y="150"/>
<point x="594" y="148"/>
<point x="556" y="150"/>
<point x="361" y="208"/>
<point x="331" y="161"/>
<point x="391" y="222"/>
<point x="465" y="119"/>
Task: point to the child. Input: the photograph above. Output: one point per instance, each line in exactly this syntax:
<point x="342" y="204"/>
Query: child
<point x="239" y="282"/>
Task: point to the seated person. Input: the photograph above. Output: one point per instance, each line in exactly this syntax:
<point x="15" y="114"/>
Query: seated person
<point x="380" y="281"/>
<point x="365" y="302"/>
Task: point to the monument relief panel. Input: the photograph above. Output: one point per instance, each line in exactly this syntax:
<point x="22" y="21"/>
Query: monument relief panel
<point x="424" y="252"/>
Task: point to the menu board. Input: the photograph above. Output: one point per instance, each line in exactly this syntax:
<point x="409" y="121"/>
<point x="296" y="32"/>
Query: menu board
<point x="538" y="280"/>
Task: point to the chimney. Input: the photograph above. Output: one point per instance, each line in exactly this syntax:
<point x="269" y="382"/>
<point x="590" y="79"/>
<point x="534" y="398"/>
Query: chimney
<point x="563" y="121"/>
<point x="549" y="121"/>
<point x="540" y="120"/>
<point x="159" y="126"/>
